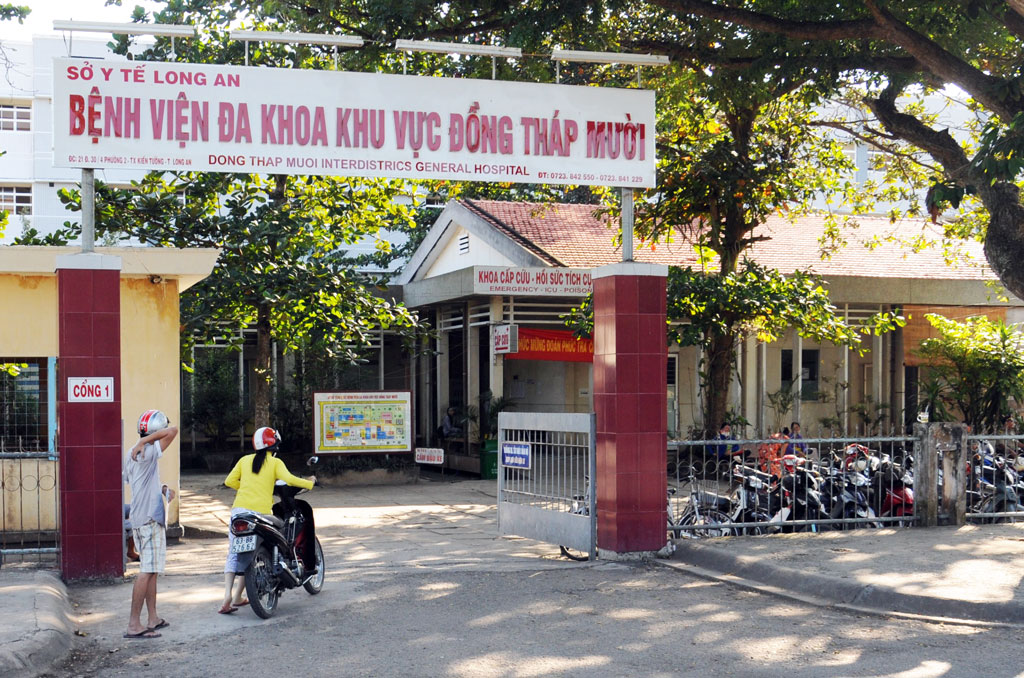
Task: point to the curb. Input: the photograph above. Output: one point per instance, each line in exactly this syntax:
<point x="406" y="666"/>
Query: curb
<point x="190" y="532"/>
<point x="822" y="589"/>
<point x="49" y="638"/>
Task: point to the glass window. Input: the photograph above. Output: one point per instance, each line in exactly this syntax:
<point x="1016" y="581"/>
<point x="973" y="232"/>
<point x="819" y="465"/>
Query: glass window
<point x="808" y="372"/>
<point x="15" y="118"/>
<point x="16" y="199"/>
<point x="24" y="405"/>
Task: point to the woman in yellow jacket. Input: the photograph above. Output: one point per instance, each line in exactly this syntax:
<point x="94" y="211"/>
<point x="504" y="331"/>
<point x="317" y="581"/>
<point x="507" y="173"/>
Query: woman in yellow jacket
<point x="254" y="477"/>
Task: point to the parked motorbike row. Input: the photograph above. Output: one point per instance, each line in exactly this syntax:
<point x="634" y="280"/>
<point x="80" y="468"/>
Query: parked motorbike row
<point x="854" y="487"/>
<point x="995" y="484"/>
<point x="850" y="489"/>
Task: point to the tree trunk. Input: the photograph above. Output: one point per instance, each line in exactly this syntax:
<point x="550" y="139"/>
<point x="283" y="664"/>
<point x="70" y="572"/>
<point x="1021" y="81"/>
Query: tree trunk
<point x="263" y="376"/>
<point x="721" y="348"/>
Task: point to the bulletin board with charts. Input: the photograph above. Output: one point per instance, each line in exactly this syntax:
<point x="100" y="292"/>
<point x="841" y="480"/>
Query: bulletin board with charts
<point x="350" y="422"/>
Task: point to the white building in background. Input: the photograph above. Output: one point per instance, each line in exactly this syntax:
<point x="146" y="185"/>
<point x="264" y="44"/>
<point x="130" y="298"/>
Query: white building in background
<point x="28" y="180"/>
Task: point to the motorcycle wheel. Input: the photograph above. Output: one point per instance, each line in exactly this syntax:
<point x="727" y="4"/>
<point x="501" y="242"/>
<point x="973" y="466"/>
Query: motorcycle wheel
<point x="759" y="517"/>
<point x="316" y="582"/>
<point x="261" y="584"/>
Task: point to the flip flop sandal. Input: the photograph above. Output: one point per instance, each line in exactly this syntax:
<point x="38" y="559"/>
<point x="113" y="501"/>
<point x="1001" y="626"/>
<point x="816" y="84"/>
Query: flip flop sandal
<point x="163" y="624"/>
<point x="227" y="609"/>
<point x="145" y="633"/>
<point x="240" y="604"/>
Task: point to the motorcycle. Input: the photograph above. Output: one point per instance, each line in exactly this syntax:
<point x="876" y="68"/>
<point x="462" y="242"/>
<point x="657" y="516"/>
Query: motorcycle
<point x="751" y="493"/>
<point x="997" y="492"/>
<point x="797" y="497"/>
<point x="847" y="495"/>
<point x="892" y="490"/>
<point x="280" y="551"/>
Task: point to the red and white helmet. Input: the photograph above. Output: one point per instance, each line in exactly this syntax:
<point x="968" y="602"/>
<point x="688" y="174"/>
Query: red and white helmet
<point x="265" y="438"/>
<point x="152" y="421"/>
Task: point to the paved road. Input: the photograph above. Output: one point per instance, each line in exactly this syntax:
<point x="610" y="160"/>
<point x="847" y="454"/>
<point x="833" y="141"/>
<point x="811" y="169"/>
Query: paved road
<point x="419" y="585"/>
<point x="605" y="620"/>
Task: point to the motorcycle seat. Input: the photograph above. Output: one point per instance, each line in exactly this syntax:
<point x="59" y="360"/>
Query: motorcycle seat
<point x="273" y="521"/>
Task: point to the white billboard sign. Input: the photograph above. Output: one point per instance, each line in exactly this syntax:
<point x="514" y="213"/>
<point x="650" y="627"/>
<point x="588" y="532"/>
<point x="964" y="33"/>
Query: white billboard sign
<point x="539" y="282"/>
<point x="201" y="117"/>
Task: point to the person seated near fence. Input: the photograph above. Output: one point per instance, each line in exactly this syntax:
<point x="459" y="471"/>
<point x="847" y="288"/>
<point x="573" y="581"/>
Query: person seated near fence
<point x="769" y="455"/>
<point x="725" y="450"/>
<point x="799" y="449"/>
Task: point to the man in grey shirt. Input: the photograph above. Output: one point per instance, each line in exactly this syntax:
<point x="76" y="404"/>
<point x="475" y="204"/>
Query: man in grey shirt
<point x="148" y="518"/>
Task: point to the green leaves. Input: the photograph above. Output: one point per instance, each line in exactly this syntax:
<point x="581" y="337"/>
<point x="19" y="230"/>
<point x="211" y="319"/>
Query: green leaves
<point x="762" y="302"/>
<point x="976" y="367"/>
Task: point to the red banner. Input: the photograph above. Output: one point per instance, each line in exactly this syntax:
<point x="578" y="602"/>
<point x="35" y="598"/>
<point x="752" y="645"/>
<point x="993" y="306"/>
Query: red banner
<point x="552" y="345"/>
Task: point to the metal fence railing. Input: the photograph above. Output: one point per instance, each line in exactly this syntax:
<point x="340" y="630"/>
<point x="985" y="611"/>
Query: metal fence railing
<point x="758" y="486"/>
<point x="778" y="484"/>
<point x="29" y="509"/>
<point x="29" y="492"/>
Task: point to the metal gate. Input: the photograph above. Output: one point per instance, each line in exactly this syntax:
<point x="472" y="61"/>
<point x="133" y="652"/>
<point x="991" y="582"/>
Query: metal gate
<point x="29" y="508"/>
<point x="546" y="478"/>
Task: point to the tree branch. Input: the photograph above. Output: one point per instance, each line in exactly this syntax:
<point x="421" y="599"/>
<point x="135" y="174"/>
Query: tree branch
<point x="872" y="141"/>
<point x="855" y="29"/>
<point x="940" y="61"/>
<point x="940" y="145"/>
<point x="1013" y="17"/>
<point x="852" y="62"/>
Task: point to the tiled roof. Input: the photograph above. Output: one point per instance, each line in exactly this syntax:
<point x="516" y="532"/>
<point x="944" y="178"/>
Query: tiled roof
<point x="577" y="237"/>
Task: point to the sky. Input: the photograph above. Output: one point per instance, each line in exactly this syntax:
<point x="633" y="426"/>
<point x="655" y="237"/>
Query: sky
<point x="44" y="12"/>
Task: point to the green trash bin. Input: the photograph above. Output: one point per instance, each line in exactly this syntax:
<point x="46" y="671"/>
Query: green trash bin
<point x="489" y="460"/>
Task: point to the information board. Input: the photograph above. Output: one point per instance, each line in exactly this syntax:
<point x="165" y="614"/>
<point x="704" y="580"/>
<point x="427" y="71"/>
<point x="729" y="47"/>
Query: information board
<point x="349" y="422"/>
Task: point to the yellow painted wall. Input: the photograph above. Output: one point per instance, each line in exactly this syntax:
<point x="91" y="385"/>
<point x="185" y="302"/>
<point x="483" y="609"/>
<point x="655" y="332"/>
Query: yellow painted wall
<point x="29" y="311"/>
<point x="149" y="366"/>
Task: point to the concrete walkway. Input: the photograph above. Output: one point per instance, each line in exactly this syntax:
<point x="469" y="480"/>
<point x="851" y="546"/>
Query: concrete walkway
<point x="972" y="574"/>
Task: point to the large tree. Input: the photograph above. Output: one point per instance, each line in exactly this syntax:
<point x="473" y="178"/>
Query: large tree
<point x="888" y="48"/>
<point x="284" y="267"/>
<point x="885" y="47"/>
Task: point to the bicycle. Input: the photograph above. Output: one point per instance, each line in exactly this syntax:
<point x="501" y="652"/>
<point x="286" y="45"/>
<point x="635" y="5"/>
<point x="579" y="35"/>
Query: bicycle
<point x="703" y="508"/>
<point x="580" y="506"/>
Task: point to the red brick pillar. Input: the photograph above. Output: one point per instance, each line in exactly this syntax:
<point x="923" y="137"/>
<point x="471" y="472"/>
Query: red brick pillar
<point x="89" y="415"/>
<point x="630" y="400"/>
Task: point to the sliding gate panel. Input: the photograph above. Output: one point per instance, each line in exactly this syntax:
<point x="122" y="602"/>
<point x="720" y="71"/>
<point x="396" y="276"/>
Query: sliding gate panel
<point x="546" y="478"/>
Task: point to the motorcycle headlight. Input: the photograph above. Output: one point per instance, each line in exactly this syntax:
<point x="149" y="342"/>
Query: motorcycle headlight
<point x="860" y="464"/>
<point x="755" y="483"/>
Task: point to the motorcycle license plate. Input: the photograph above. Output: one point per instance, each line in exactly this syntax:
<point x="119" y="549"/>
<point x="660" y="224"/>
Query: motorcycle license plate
<point x="244" y="544"/>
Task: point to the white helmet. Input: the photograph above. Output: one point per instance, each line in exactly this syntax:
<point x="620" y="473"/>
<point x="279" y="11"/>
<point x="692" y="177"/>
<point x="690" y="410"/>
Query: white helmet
<point x="265" y="438"/>
<point x="152" y="421"/>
